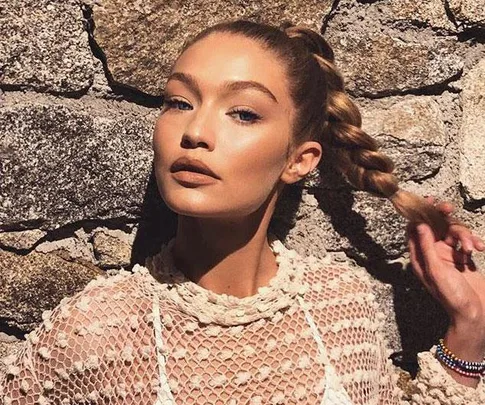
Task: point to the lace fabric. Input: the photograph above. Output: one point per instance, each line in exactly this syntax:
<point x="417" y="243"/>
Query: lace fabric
<point x="312" y="336"/>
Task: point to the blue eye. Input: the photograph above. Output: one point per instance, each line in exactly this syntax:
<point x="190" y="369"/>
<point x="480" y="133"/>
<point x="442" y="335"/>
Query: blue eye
<point x="176" y="104"/>
<point x="245" y="116"/>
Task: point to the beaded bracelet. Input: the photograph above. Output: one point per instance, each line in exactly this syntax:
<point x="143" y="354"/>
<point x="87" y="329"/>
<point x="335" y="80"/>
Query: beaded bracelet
<point x="463" y="367"/>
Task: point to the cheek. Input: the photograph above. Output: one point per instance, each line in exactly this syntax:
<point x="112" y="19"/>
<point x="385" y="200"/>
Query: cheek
<point x="263" y="156"/>
<point x="256" y="165"/>
<point x="161" y="140"/>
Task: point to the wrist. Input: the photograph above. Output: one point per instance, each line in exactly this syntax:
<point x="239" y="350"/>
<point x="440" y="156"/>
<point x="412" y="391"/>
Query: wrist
<point x="465" y="347"/>
<point x="465" y="342"/>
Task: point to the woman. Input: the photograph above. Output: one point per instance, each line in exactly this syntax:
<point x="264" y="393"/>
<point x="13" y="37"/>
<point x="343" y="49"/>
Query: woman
<point x="223" y="314"/>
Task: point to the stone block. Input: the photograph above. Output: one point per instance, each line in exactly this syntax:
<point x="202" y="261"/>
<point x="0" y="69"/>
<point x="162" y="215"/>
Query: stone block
<point x="411" y="131"/>
<point x="141" y="40"/>
<point x="35" y="283"/>
<point x="71" y="249"/>
<point x="71" y="160"/>
<point x="112" y="247"/>
<point x="380" y="64"/>
<point x="430" y="13"/>
<point x="472" y="161"/>
<point x="44" y="46"/>
<point x="468" y="13"/>
<point x="378" y="58"/>
<point x="21" y="240"/>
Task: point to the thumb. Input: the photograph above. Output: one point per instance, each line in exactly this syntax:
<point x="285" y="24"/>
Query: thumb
<point x="427" y="241"/>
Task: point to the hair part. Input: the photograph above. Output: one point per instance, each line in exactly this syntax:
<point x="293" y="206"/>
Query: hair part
<point x="325" y="113"/>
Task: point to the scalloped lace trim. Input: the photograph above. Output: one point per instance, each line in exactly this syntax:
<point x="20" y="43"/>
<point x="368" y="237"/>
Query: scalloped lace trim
<point x="227" y="310"/>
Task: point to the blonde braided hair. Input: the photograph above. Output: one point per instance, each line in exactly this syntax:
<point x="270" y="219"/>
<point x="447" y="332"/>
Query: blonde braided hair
<point x="355" y="153"/>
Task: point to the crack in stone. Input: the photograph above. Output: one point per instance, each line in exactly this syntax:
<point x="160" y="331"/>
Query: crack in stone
<point x="450" y="14"/>
<point x="7" y="328"/>
<point x="470" y="204"/>
<point x="66" y="94"/>
<point x="436" y="89"/>
<point x="329" y="16"/>
<point x="127" y="93"/>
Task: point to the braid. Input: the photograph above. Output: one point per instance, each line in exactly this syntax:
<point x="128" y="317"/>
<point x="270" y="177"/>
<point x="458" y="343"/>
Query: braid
<point x="353" y="152"/>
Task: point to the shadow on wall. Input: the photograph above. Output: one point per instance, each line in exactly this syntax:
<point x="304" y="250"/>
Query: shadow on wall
<point x="157" y="224"/>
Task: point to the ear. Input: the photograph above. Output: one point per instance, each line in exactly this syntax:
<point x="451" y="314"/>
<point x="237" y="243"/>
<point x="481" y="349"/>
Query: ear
<point x="302" y="161"/>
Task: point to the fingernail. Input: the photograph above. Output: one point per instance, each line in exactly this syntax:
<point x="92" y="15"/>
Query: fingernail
<point x="421" y="228"/>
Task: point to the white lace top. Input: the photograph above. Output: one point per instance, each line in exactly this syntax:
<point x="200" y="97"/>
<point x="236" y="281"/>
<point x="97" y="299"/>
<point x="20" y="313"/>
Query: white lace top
<point x="312" y="336"/>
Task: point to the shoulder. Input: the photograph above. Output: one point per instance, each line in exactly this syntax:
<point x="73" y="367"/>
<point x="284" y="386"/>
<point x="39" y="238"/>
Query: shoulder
<point x="337" y="275"/>
<point x="345" y="309"/>
<point x="104" y="306"/>
<point x="97" y="327"/>
<point x="341" y="296"/>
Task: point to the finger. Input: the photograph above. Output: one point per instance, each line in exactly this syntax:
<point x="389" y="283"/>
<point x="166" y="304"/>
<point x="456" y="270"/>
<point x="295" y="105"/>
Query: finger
<point x="478" y="243"/>
<point x="426" y="242"/>
<point x="464" y="236"/>
<point x="445" y="207"/>
<point x="416" y="258"/>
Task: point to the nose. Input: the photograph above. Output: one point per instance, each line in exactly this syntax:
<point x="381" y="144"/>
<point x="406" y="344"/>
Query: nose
<point x="199" y="132"/>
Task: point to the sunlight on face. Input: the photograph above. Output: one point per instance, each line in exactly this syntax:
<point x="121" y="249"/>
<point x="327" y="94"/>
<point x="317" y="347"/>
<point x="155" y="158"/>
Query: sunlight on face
<point x="222" y="138"/>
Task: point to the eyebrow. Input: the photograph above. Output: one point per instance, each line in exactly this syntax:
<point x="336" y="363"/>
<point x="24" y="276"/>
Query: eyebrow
<point x="237" y="85"/>
<point x="249" y="84"/>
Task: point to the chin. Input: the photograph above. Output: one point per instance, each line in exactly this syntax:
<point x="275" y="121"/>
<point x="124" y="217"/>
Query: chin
<point x="195" y="204"/>
<point x="191" y="203"/>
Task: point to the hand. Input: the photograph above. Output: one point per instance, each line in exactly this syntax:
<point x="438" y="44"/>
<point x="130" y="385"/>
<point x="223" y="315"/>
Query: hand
<point x="450" y="276"/>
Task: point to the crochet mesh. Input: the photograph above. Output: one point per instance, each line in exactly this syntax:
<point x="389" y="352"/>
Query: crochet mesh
<point x="101" y="346"/>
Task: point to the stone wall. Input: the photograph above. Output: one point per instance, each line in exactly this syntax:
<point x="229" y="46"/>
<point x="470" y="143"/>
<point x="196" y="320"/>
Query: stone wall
<point x="80" y="85"/>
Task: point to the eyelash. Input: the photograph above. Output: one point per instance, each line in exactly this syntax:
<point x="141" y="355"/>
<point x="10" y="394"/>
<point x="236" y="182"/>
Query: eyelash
<point x="175" y="103"/>
<point x="254" y="117"/>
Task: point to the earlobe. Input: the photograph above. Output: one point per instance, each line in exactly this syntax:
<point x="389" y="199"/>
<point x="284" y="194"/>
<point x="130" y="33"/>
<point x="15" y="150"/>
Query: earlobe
<point x="302" y="161"/>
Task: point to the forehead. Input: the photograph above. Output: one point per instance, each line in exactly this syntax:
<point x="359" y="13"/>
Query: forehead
<point x="222" y="57"/>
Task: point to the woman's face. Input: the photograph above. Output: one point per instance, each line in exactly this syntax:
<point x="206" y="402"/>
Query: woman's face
<point x="222" y="139"/>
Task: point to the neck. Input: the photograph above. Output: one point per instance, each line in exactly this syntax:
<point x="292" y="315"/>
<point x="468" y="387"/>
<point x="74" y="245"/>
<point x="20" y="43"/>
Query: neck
<point x="227" y="256"/>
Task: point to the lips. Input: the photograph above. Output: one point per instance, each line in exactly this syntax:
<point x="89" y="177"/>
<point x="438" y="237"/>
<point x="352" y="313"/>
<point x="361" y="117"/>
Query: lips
<point x="192" y="165"/>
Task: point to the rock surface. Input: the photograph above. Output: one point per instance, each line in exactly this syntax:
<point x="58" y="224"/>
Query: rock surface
<point x="430" y="13"/>
<point x="64" y="162"/>
<point x="142" y="39"/>
<point x="378" y="60"/>
<point x="112" y="247"/>
<point x="37" y="282"/>
<point x="44" y="46"/>
<point x="472" y="164"/>
<point x="382" y="64"/>
<point x="357" y="223"/>
<point x="411" y="131"/>
<point x="468" y="13"/>
<point x="21" y="240"/>
<point x="72" y="249"/>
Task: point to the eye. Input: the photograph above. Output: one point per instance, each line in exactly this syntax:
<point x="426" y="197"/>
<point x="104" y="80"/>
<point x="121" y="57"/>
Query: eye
<point x="176" y="104"/>
<point x="245" y="116"/>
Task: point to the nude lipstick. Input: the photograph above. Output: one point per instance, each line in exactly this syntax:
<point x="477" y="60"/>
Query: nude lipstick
<point x="192" y="172"/>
